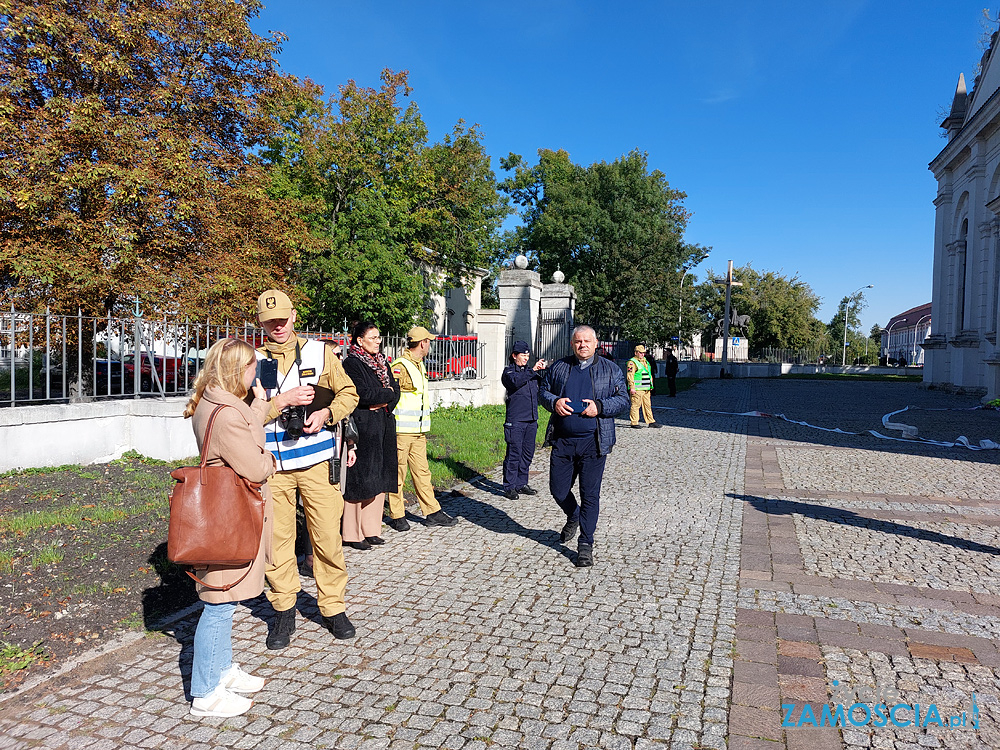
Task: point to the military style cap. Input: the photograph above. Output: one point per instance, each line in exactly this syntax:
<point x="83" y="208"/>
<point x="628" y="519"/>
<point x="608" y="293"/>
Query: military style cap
<point x="640" y="349"/>
<point x="521" y="347"/>
<point x="273" y="304"/>
<point x="418" y="333"/>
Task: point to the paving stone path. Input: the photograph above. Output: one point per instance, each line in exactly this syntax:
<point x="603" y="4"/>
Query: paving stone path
<point x="742" y="563"/>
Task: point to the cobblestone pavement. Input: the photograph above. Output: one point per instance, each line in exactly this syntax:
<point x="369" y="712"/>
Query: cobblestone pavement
<point x="742" y="563"/>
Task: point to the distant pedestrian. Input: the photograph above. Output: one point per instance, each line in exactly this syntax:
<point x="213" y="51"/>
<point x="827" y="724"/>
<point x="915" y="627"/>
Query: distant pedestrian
<point x="670" y="365"/>
<point x="521" y="421"/>
<point x="640" y="388"/>
<point x="585" y="393"/>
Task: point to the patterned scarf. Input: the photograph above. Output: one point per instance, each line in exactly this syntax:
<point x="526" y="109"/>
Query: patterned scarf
<point x="377" y="362"/>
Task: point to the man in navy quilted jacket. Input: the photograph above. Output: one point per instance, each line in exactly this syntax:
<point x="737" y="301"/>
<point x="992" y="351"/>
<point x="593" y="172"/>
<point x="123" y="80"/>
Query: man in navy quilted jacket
<point x="585" y="393"/>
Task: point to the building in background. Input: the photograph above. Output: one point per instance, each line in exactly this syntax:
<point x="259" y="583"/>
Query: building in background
<point x="962" y="352"/>
<point x="453" y="311"/>
<point x="904" y="334"/>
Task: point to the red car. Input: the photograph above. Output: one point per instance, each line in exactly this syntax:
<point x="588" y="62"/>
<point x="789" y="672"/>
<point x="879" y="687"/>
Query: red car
<point x="170" y="371"/>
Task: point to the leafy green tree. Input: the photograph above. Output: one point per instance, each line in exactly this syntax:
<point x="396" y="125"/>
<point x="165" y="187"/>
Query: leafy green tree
<point x="394" y="217"/>
<point x="851" y="307"/>
<point x="615" y="229"/>
<point x="126" y="130"/>
<point x="782" y="309"/>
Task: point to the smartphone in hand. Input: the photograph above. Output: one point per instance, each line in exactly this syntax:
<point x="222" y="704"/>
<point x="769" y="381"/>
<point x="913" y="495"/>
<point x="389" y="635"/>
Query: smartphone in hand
<point x="267" y="373"/>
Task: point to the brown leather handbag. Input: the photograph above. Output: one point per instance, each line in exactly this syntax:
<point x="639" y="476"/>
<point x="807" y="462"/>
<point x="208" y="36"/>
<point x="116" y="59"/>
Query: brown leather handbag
<point x="216" y="516"/>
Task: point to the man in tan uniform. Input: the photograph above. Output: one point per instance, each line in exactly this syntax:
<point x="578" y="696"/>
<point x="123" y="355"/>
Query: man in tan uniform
<point x="413" y="422"/>
<point x="639" y="377"/>
<point x="305" y="368"/>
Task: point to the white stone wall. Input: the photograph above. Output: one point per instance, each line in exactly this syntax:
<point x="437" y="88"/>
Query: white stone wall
<point x="57" y="434"/>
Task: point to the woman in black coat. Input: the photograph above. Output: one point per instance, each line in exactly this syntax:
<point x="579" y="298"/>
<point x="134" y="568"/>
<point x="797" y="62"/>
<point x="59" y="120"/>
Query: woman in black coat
<point x="374" y="473"/>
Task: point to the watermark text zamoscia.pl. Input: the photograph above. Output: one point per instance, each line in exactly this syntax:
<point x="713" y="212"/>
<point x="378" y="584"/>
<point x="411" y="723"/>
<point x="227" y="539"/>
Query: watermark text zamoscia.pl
<point x="878" y="715"/>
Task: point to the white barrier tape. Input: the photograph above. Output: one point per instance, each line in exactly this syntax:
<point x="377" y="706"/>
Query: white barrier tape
<point x="962" y="440"/>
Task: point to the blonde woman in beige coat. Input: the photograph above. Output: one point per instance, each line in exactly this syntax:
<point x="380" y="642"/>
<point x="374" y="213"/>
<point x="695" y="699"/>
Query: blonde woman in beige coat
<point x="237" y="441"/>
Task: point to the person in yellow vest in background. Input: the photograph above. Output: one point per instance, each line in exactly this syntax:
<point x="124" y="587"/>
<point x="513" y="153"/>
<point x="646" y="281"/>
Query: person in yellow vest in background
<point x="413" y="422"/>
<point x="640" y="388"/>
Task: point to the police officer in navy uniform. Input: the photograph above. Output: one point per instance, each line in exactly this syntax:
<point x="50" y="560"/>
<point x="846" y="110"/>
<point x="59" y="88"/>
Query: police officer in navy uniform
<point x="521" y="423"/>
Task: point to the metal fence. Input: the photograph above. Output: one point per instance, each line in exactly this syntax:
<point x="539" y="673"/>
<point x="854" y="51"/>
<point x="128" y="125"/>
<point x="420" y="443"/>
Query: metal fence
<point x="808" y="357"/>
<point x="48" y="358"/>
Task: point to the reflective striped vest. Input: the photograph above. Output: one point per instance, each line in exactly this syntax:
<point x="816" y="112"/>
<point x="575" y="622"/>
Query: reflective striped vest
<point x="642" y="378"/>
<point x="413" y="412"/>
<point x="308" y="450"/>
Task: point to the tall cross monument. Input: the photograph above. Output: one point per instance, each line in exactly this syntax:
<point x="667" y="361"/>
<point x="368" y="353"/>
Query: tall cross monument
<point x="725" y="340"/>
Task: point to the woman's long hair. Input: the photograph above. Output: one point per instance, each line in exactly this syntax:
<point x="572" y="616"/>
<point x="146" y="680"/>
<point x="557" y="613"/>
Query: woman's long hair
<point x="225" y="364"/>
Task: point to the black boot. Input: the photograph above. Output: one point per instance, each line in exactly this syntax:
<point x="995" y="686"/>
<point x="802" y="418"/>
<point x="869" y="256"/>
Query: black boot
<point x="569" y="530"/>
<point x="399" y="524"/>
<point x="584" y="555"/>
<point x="339" y="626"/>
<point x="280" y="634"/>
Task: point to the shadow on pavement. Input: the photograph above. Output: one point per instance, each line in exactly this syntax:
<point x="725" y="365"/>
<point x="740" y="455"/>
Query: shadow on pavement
<point x="498" y="521"/>
<point x="785" y="507"/>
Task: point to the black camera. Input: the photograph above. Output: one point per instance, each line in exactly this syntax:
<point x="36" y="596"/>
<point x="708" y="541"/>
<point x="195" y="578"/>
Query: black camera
<point x="293" y="420"/>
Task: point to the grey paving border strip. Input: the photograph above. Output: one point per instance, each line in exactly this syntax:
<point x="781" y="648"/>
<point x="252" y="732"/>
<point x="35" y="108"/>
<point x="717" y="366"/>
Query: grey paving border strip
<point x="778" y="656"/>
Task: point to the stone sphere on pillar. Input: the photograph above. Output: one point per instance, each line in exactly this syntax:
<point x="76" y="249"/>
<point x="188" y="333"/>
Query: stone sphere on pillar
<point x="521" y="262"/>
<point x="559" y="277"/>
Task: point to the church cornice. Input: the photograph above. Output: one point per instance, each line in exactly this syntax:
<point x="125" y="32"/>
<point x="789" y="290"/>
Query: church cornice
<point x="958" y="246"/>
<point x="943" y="198"/>
<point x="984" y="116"/>
<point x="935" y="341"/>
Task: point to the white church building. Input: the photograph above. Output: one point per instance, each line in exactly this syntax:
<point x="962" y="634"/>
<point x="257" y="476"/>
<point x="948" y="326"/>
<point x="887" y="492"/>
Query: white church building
<point x="962" y="351"/>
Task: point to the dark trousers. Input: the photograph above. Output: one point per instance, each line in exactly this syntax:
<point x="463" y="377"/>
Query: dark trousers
<point x="573" y="457"/>
<point x="520" y="439"/>
<point x="672" y="384"/>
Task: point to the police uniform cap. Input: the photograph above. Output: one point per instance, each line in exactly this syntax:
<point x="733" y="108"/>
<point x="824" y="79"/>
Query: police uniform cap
<point x="521" y="347"/>
<point x="272" y="305"/>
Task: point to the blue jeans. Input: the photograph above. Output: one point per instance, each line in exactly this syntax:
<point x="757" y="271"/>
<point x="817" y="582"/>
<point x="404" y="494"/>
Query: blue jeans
<point x="213" y="647"/>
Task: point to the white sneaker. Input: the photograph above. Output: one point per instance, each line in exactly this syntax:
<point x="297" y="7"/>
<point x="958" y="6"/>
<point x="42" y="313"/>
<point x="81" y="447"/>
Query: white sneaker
<point x="240" y="682"/>
<point x="220" y="702"/>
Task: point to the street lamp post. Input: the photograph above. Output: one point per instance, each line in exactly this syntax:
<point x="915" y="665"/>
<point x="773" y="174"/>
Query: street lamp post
<point x="680" y="308"/>
<point x="847" y="312"/>
<point x="913" y="352"/>
<point x="888" y="338"/>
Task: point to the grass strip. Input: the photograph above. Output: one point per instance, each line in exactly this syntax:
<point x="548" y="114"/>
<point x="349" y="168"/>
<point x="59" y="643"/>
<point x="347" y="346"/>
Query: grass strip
<point x="465" y="441"/>
<point x="661" y="388"/>
<point x="47" y="555"/>
<point x="14" y="658"/>
<point x="72" y="515"/>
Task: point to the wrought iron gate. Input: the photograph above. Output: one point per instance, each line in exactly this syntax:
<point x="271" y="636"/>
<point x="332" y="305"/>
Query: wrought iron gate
<point x="552" y="338"/>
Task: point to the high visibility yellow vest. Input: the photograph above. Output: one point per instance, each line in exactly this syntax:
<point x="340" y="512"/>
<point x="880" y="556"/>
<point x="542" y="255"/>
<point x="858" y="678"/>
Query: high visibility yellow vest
<point x="413" y="412"/>
<point x="642" y="378"/>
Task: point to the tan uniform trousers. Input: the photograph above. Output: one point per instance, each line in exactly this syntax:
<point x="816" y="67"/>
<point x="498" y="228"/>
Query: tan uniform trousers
<point x="323" y="505"/>
<point x="641" y="399"/>
<point x="411" y="451"/>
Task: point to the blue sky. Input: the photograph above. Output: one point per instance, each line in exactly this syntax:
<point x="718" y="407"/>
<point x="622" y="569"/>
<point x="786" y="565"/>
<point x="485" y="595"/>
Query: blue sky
<point x="801" y="131"/>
